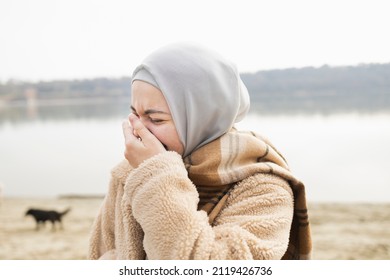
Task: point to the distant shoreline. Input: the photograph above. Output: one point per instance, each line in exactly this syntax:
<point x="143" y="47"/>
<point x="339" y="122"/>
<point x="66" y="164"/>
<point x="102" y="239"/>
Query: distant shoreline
<point x="81" y="196"/>
<point x="362" y="87"/>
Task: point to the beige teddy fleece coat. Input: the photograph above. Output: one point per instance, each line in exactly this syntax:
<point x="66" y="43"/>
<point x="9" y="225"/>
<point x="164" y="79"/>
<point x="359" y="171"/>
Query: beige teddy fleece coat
<point x="151" y="212"/>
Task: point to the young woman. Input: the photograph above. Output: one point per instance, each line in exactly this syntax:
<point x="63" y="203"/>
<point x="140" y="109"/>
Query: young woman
<point x="192" y="186"/>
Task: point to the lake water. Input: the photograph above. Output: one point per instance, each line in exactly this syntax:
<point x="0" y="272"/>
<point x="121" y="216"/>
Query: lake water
<point x="340" y="158"/>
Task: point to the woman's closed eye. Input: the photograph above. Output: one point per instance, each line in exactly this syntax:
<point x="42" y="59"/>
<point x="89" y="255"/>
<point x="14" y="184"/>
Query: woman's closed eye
<point x="156" y="121"/>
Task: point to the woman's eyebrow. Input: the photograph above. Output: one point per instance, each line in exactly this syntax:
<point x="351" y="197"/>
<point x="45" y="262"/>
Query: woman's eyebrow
<point x="153" y="111"/>
<point x="150" y="111"/>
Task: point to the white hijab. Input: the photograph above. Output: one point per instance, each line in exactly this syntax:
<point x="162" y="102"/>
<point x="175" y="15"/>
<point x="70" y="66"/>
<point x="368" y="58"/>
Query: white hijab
<point x="204" y="91"/>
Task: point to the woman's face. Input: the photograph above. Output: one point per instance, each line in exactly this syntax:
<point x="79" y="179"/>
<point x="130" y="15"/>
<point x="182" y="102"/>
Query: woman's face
<point x="149" y="105"/>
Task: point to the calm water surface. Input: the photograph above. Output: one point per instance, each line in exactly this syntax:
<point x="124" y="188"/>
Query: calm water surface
<point x="340" y="158"/>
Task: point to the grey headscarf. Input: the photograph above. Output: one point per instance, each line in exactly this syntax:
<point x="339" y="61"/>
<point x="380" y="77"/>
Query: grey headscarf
<point x="204" y="91"/>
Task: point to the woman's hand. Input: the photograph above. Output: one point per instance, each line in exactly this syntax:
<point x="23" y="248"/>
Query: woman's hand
<point x="140" y="143"/>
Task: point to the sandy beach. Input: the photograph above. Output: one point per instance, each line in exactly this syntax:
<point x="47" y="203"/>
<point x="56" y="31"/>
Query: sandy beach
<point x="340" y="231"/>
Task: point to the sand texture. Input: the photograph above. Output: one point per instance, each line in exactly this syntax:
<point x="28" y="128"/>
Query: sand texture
<point x="340" y="231"/>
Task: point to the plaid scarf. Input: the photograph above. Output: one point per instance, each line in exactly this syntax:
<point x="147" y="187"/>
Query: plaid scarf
<point x="216" y="167"/>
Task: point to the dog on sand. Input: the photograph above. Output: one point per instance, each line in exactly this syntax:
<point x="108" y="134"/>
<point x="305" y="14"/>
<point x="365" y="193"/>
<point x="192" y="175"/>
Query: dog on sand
<point x="41" y="216"/>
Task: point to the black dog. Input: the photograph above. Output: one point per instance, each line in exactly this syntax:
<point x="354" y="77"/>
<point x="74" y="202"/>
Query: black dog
<point x="41" y="216"/>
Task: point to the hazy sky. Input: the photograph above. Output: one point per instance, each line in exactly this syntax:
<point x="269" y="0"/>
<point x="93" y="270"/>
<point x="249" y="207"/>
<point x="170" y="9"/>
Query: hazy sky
<point x="51" y="39"/>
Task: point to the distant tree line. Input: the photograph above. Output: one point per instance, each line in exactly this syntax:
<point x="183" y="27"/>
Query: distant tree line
<point x="362" y="87"/>
<point x="62" y="89"/>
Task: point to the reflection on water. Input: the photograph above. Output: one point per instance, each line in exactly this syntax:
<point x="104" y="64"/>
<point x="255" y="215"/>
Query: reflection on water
<point x="71" y="149"/>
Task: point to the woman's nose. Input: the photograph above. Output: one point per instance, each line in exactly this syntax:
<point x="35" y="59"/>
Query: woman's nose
<point x="142" y="120"/>
<point x="145" y="123"/>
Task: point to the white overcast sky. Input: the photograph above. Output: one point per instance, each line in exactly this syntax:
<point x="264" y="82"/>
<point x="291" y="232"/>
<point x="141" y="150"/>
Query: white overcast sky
<point x="75" y="39"/>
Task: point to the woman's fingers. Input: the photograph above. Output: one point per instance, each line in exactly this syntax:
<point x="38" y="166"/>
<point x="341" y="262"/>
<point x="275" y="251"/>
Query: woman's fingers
<point x="140" y="130"/>
<point x="127" y="130"/>
<point x="140" y="143"/>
